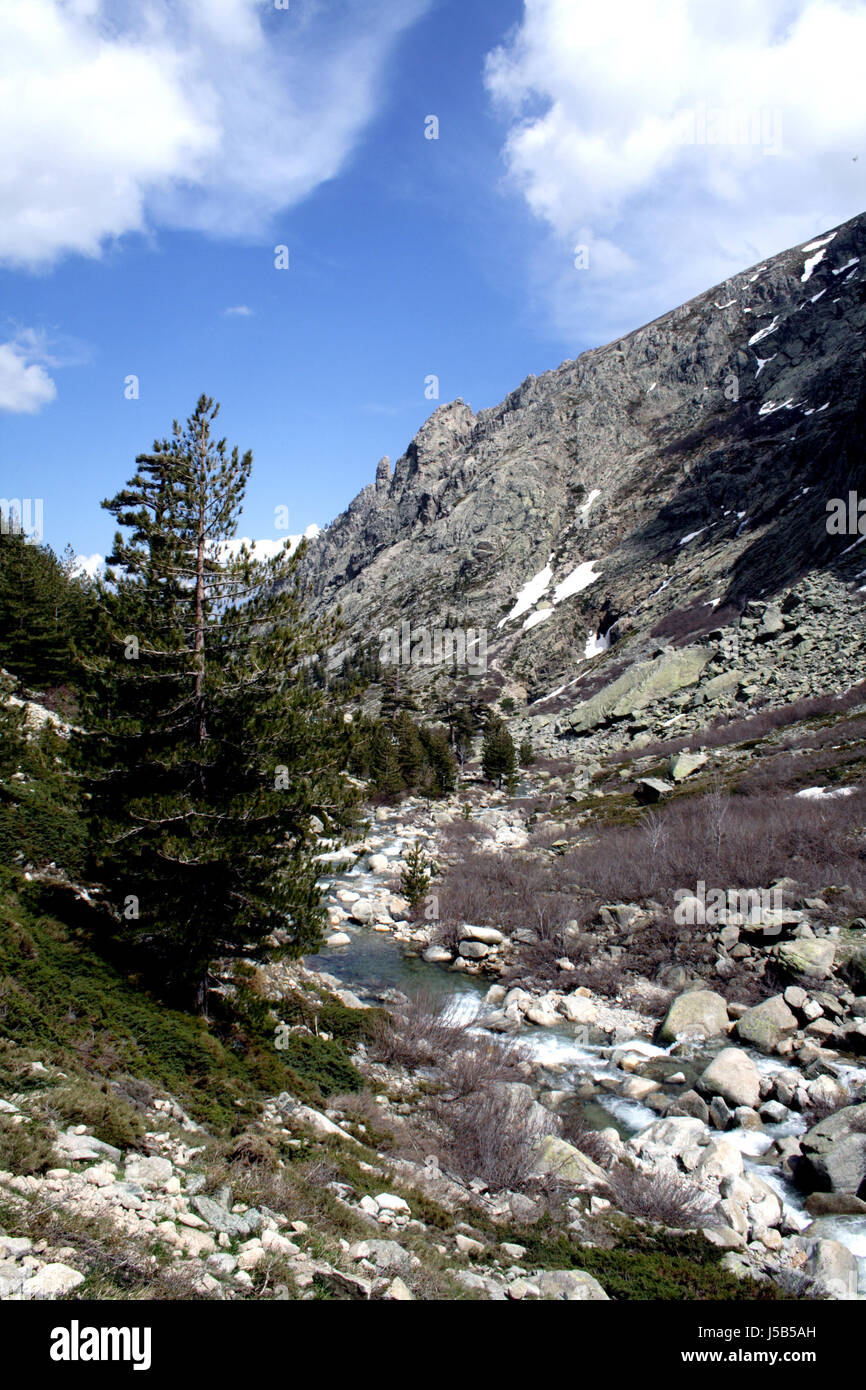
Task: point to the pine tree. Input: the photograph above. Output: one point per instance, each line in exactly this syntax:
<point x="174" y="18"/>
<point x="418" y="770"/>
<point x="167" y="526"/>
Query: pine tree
<point x="415" y="875"/>
<point x="207" y="755"/>
<point x="498" y="758"/>
<point x="442" y="769"/>
<point x="526" y="754"/>
<point x="43" y="611"/>
<point x="411" y="758"/>
<point x="384" y="769"/>
<point x="40" y="815"/>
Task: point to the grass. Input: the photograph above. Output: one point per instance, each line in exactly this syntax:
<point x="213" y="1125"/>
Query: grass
<point x="65" y="1005"/>
<point x="641" y="1263"/>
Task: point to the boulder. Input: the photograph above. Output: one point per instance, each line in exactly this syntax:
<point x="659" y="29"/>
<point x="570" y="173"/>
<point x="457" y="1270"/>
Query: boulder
<point x="386" y="1255"/>
<point x="221" y="1220"/>
<point x="570" y="1285"/>
<point x="690" y="1103"/>
<point x="196" y="1243"/>
<point x="490" y="936"/>
<point x="682" y="765"/>
<point x="577" y="1009"/>
<point x="639" y="1087"/>
<point x="833" y="1266"/>
<point x="766" y="1024"/>
<point x="679" y="1137"/>
<point x="149" y="1172"/>
<point x="641" y="685"/>
<point x="772" y="623"/>
<point x="84" y="1148"/>
<point x="52" y="1281"/>
<point x="698" y="1012"/>
<point x="651" y="789"/>
<point x="398" y="1291"/>
<point x="557" y="1159"/>
<point x="835" y="1204"/>
<point x="812" y="956"/>
<point x="733" y="1076"/>
<point x="541" y="1017"/>
<point x="725" y="1237"/>
<point x="719" y="1160"/>
<point x="437" y="955"/>
<point x="473" y="950"/>
<point x="467" y="1246"/>
<point x="834" y="1153"/>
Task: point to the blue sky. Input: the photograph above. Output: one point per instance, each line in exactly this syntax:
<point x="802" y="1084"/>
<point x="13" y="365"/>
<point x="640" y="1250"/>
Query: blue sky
<point x="156" y="153"/>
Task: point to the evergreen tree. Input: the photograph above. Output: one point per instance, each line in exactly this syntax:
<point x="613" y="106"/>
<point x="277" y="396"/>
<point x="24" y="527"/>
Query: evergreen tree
<point x="498" y="758"/>
<point x="526" y="754"/>
<point x="206" y="754"/>
<point x="411" y="757"/>
<point x="384" y="768"/>
<point x="442" y="769"/>
<point x="40" y="815"/>
<point x="396" y="695"/>
<point x="43" y="611"/>
<point x="415" y="875"/>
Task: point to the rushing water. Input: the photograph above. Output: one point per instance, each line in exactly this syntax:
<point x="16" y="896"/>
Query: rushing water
<point x="374" y="963"/>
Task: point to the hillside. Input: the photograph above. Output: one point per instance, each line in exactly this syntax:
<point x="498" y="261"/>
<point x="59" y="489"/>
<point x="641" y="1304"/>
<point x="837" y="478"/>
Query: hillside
<point x="649" y="490"/>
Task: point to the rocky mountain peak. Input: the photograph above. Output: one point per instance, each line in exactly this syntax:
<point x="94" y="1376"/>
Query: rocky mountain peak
<point x="688" y="463"/>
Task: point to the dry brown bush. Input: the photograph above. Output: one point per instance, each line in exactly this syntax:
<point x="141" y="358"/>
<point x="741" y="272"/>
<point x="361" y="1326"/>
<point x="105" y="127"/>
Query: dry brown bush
<point x="728" y="841"/>
<point x="662" y="1196"/>
<point x="725" y="731"/>
<point x="504" y="891"/>
<point x="478" y="1064"/>
<point x="420" y="1031"/>
<point x="576" y="1131"/>
<point x="491" y="1138"/>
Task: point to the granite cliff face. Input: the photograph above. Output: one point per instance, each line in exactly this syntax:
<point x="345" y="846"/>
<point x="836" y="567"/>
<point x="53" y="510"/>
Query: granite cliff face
<point x="664" y="481"/>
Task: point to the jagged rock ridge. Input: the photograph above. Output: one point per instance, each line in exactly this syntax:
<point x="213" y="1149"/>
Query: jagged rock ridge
<point x="690" y="461"/>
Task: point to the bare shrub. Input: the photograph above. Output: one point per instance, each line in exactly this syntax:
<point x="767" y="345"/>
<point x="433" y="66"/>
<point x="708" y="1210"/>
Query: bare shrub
<point x="491" y="1137"/>
<point x="555" y="767"/>
<point x="250" y="1150"/>
<point x="685" y="624"/>
<point x="662" y="1196"/>
<point x="455" y="835"/>
<point x="478" y="1064"/>
<point x="504" y="891"/>
<point x="736" y="842"/>
<point x="420" y="1031"/>
<point x="576" y="1131"/>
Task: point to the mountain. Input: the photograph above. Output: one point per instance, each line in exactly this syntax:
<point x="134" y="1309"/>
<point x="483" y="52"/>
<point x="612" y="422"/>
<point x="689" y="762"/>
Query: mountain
<point x="637" y="498"/>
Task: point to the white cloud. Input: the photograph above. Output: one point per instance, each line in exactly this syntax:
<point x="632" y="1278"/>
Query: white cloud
<point x="25" y="386"/>
<point x="266" y="548"/>
<point x="263" y="549"/>
<point x="88" y="564"/>
<point x="117" y="117"/>
<point x="241" y="311"/>
<point x="603" y="101"/>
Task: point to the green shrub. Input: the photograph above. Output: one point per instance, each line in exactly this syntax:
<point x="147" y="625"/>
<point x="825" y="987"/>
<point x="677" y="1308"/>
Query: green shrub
<point x="24" y="1148"/>
<point x="104" y="1113"/>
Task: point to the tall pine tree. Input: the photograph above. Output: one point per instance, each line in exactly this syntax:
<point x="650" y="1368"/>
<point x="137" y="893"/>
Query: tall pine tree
<point x="44" y="609"/>
<point x="207" y="754"/>
<point x="498" y="757"/>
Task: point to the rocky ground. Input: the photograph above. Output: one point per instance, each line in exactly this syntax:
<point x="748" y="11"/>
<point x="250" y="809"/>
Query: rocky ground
<point x="705" y="1116"/>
